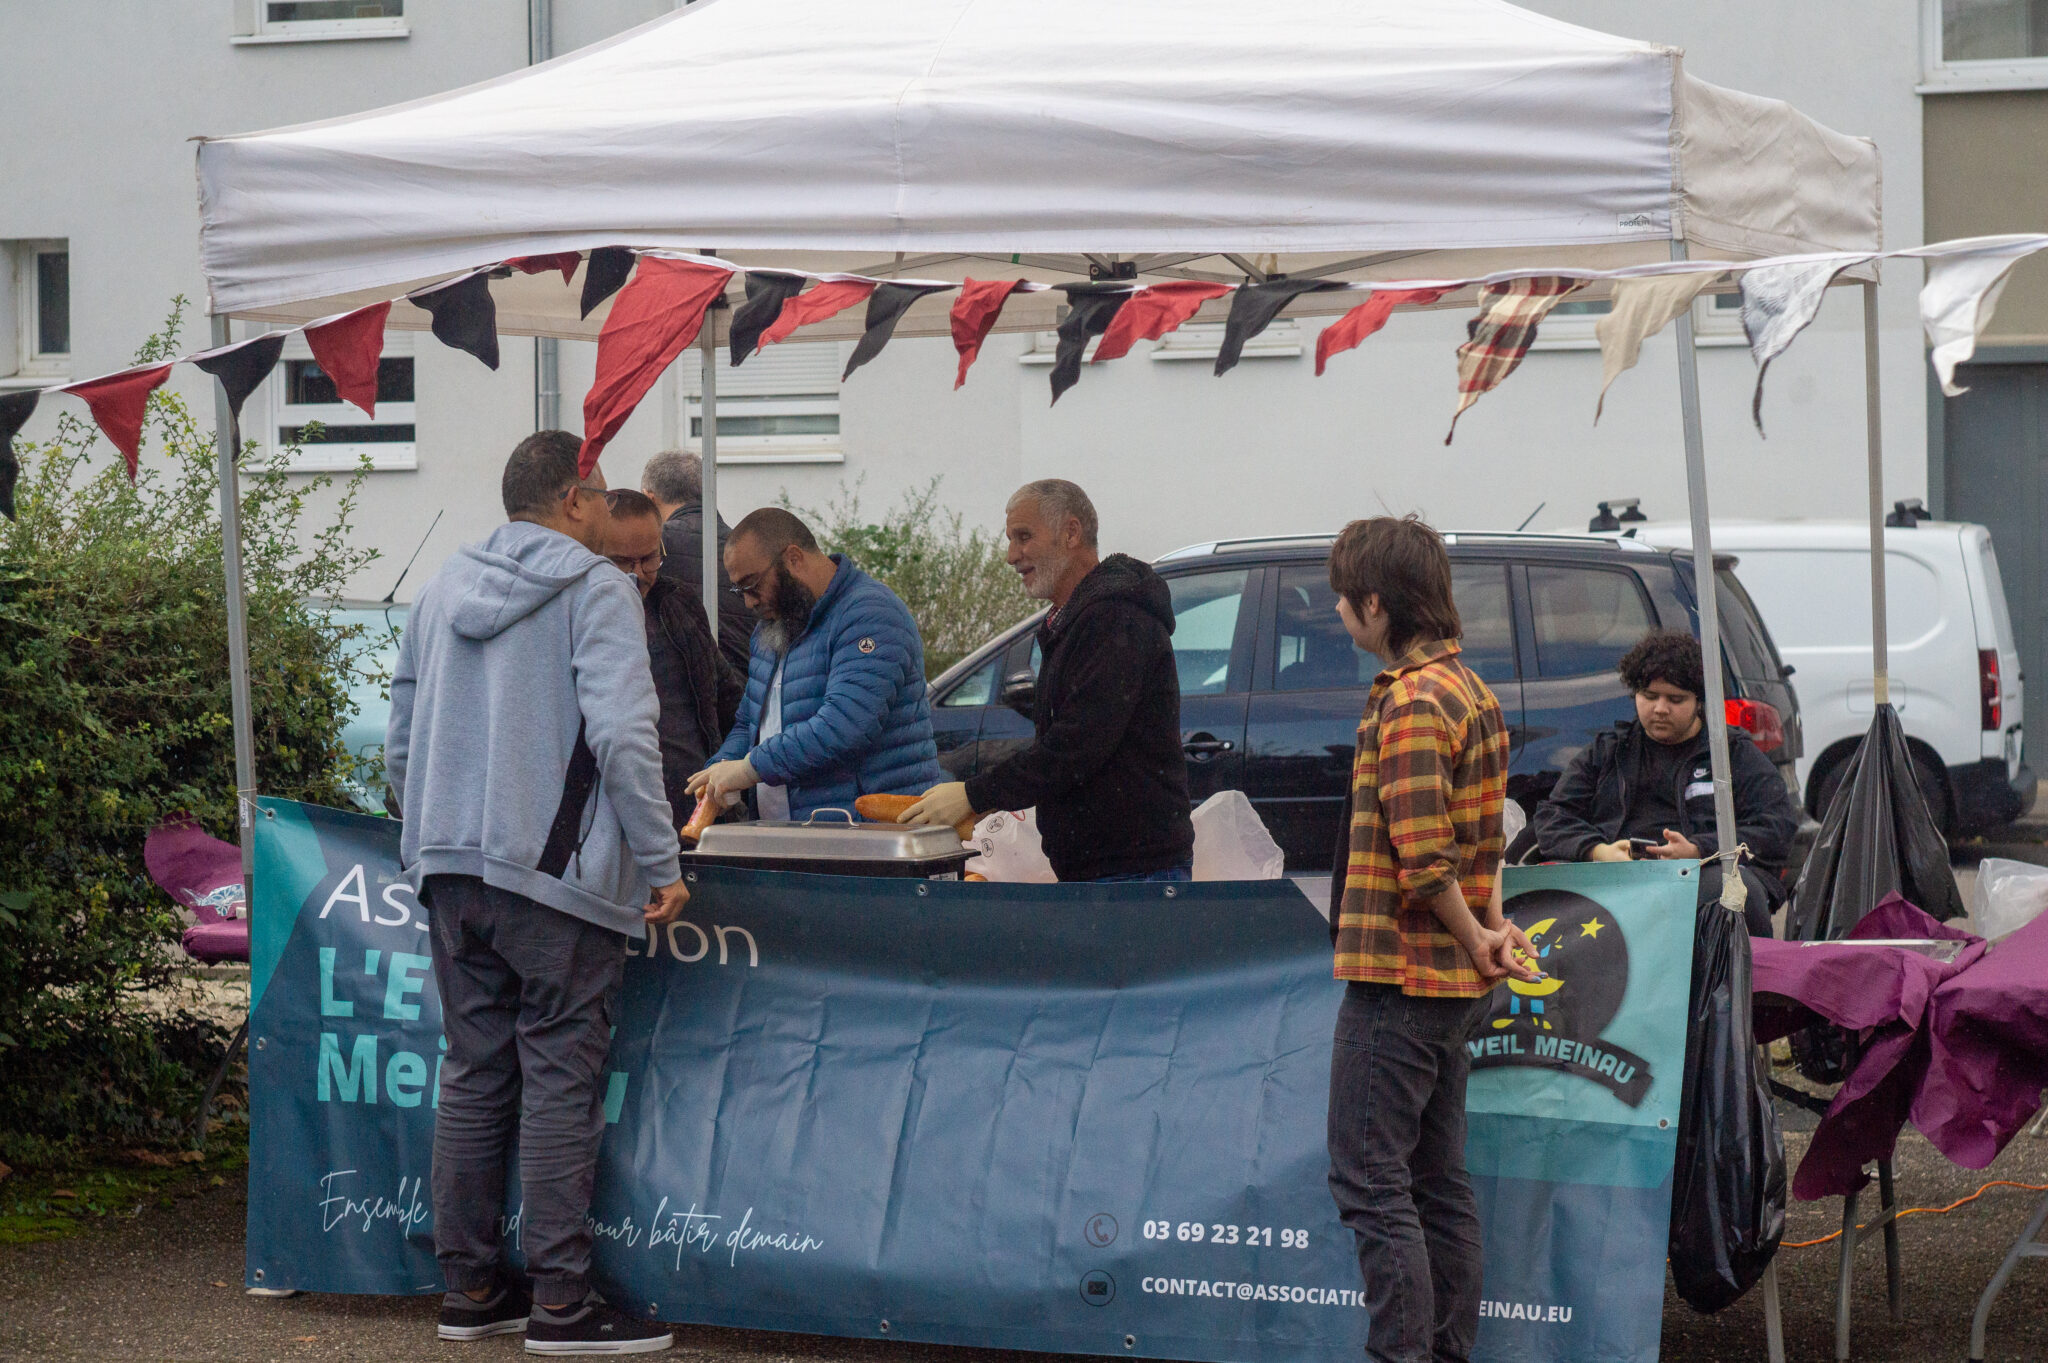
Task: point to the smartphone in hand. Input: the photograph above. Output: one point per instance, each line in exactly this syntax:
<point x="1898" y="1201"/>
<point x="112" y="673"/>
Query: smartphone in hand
<point x="1638" y="846"/>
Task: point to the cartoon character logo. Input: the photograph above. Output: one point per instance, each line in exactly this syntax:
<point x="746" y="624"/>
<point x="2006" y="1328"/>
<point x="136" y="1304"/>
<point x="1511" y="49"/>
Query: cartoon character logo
<point x="1556" y="1022"/>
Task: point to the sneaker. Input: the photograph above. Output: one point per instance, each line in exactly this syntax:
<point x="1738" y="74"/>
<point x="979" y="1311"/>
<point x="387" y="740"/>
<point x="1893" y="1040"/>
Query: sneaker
<point x="593" y="1328"/>
<point x="502" y="1314"/>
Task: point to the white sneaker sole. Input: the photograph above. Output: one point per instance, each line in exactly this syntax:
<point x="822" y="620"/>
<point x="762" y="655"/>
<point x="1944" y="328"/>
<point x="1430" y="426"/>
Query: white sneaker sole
<point x="580" y="1346"/>
<point x="462" y="1333"/>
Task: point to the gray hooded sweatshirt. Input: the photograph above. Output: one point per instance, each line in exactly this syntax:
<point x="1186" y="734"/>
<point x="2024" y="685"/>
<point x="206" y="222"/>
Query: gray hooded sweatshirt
<point x="511" y="647"/>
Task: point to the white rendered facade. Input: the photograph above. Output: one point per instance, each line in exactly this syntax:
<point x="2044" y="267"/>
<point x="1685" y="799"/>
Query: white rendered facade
<point x="104" y="96"/>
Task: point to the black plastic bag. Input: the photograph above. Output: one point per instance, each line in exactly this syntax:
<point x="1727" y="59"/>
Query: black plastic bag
<point x="1728" y="1189"/>
<point x="1877" y="837"/>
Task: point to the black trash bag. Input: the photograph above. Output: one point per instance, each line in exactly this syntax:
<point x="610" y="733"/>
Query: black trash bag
<point x="1728" y="1188"/>
<point x="1877" y="837"/>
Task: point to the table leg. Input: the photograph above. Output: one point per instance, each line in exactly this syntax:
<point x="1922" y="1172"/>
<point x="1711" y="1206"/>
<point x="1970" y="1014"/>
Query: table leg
<point x="1894" y="1285"/>
<point x="1845" y="1276"/>
<point x="1774" y="1316"/>
<point x="2028" y="1246"/>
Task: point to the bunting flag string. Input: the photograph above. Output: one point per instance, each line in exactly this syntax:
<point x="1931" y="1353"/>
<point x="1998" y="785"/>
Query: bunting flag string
<point x="767" y="292"/>
<point x="828" y="298"/>
<point x="1502" y="333"/>
<point x="349" y="349"/>
<point x="656" y="317"/>
<point x="1780" y="297"/>
<point x="974" y="315"/>
<point x="118" y="402"/>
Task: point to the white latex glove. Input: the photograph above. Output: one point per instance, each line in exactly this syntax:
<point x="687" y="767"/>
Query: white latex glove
<point x="724" y="778"/>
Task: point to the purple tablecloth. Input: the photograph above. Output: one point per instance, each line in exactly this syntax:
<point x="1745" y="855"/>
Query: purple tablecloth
<point x="1960" y="1047"/>
<point x="205" y="875"/>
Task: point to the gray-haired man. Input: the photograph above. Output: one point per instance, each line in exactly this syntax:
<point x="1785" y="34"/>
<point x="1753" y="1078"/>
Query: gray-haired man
<point x="674" y="481"/>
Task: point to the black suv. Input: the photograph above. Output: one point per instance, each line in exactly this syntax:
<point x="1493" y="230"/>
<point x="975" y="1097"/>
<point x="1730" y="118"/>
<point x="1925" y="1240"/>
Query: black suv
<point x="1272" y="687"/>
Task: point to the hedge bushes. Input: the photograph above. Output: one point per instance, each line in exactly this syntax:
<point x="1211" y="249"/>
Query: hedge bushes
<point x="113" y="665"/>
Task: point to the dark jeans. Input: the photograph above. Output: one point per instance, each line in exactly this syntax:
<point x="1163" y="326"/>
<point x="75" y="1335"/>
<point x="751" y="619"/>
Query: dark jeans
<point x="527" y="996"/>
<point x="1397" y="1169"/>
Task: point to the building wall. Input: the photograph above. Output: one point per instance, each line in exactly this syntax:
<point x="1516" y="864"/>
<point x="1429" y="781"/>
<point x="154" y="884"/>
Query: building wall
<point x="1987" y="171"/>
<point x="1172" y="455"/>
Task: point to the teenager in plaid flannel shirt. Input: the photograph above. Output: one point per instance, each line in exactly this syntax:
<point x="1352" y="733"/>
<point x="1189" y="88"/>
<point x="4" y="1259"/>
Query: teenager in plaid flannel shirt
<point x="1420" y="938"/>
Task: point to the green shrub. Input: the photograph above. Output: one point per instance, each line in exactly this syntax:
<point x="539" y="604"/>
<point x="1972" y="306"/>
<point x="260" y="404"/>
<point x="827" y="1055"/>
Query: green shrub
<point x="953" y="579"/>
<point x="113" y="657"/>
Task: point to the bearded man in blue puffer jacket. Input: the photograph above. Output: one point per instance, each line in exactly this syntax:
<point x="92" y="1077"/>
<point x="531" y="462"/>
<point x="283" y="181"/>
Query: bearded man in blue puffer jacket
<point x="836" y="705"/>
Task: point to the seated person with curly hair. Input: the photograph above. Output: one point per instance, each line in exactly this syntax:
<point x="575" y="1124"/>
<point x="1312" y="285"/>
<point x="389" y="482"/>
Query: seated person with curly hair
<point x="1646" y="790"/>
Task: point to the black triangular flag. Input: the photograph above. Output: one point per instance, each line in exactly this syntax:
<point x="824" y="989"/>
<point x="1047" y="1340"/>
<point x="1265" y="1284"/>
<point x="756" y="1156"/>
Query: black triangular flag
<point x="1090" y="306"/>
<point x="885" y="309"/>
<point x="1253" y="308"/>
<point x="766" y="293"/>
<point x="604" y="274"/>
<point x="240" y="368"/>
<point x="464" y="316"/>
<point x="15" y="410"/>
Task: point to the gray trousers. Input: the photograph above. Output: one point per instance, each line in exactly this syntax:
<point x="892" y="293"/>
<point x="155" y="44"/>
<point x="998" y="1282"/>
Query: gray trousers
<point x="527" y="997"/>
<point x="1397" y="1169"/>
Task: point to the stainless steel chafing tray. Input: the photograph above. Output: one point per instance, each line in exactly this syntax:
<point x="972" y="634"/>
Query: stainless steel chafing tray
<point x="834" y="841"/>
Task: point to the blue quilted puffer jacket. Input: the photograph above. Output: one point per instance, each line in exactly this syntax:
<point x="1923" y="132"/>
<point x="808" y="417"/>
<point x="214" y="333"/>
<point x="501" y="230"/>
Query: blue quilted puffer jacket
<point x="855" y="716"/>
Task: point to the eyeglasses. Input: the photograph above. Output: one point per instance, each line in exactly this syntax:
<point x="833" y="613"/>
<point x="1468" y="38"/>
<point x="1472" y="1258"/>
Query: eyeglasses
<point x="751" y="585"/>
<point x="645" y="563"/>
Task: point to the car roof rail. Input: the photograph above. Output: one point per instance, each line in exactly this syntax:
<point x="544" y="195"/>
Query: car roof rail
<point x="1305" y="541"/>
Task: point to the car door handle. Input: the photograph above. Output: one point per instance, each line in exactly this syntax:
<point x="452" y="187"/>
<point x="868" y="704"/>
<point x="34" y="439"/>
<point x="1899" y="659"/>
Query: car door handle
<point x="1204" y="745"/>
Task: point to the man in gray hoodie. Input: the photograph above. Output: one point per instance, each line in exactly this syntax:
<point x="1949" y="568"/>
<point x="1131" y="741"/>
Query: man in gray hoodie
<point x="523" y="750"/>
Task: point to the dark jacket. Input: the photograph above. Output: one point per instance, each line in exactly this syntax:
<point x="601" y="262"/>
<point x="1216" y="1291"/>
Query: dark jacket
<point x="1106" y="772"/>
<point x="682" y="547"/>
<point x="1591" y="802"/>
<point x="699" y="691"/>
<point x="856" y="717"/>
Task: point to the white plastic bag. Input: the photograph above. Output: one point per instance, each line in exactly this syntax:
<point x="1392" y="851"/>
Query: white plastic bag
<point x="1009" y="849"/>
<point x="2008" y="896"/>
<point x="1512" y="822"/>
<point x="1231" y="841"/>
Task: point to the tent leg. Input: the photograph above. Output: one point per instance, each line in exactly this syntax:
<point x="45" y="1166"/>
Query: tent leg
<point x="229" y="439"/>
<point x="707" y="350"/>
<point x="1715" y="701"/>
<point x="1873" y="428"/>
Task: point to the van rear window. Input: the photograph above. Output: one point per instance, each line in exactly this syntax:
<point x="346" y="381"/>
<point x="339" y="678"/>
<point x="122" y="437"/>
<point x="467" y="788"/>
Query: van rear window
<point x="2001" y="613"/>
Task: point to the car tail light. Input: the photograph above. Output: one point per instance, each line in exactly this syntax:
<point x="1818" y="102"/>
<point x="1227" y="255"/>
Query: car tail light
<point x="1987" y="688"/>
<point x="1760" y="721"/>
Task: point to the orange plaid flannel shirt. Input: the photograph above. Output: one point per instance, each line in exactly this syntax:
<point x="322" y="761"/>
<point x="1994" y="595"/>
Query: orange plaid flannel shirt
<point x="1426" y="792"/>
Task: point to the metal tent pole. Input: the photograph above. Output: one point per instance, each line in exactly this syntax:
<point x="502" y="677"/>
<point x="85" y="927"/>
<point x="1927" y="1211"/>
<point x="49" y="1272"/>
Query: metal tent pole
<point x="1733" y="893"/>
<point x="228" y="438"/>
<point x="1873" y="429"/>
<point x="707" y="350"/>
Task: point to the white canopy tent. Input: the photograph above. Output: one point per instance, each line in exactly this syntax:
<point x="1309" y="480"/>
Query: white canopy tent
<point x="1054" y="139"/>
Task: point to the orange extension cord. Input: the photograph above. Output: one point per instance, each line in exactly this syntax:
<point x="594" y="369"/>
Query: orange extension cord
<point x="1927" y="1211"/>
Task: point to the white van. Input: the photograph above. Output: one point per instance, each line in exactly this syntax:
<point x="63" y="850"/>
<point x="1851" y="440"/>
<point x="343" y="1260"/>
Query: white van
<point x="1955" y="668"/>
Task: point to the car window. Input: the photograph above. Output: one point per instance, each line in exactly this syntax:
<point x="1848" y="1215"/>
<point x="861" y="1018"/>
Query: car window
<point x="1586" y="618"/>
<point x="1313" y="651"/>
<point x="977" y="688"/>
<point x="1743" y="632"/>
<point x="1205" y="611"/>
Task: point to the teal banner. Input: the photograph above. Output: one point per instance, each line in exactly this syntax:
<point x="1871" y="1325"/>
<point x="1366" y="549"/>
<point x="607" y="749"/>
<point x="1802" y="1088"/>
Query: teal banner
<point x="1084" y="1119"/>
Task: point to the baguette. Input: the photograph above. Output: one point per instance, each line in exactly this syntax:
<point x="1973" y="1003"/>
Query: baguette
<point x="702" y="817"/>
<point x="889" y="809"/>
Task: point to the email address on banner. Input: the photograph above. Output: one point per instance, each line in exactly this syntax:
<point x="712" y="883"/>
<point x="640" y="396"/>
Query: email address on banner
<point x="1287" y="1292"/>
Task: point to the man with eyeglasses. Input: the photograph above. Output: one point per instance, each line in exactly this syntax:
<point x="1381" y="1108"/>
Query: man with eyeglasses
<point x="699" y="691"/>
<point x="836" y="705"/>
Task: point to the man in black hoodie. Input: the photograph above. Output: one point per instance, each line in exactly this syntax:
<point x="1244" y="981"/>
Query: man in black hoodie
<point x="1105" y="772"/>
<point x="1645" y="791"/>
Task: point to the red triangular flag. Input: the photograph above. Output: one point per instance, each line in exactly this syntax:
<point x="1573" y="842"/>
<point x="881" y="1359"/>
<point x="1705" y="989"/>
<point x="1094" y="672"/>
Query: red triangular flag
<point x="565" y="261"/>
<point x="117" y="403"/>
<point x="1152" y="312"/>
<point x="826" y="299"/>
<point x="347" y="349"/>
<point x="974" y="316"/>
<point x="652" y="320"/>
<point x="1363" y="320"/>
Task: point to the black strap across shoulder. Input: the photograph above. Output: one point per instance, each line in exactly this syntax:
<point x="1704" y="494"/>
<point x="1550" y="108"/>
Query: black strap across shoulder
<point x="565" y="835"/>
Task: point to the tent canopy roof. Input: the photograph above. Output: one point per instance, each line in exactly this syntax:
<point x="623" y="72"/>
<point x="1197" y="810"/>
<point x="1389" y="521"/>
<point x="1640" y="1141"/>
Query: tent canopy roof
<point x="933" y="139"/>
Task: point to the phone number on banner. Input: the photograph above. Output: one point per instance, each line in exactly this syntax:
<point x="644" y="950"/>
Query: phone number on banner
<point x="1221" y="1234"/>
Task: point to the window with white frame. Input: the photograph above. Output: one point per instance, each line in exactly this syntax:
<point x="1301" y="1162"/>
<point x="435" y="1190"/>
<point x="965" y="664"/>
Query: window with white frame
<point x="1716" y="320"/>
<point x="299" y="20"/>
<point x="780" y="406"/>
<point x="35" y="298"/>
<point x="332" y="434"/>
<point x="1984" y="44"/>
<point x="1282" y="339"/>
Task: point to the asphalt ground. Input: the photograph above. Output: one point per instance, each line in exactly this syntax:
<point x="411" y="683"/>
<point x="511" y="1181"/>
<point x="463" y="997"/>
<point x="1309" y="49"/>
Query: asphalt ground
<point x="164" y="1283"/>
